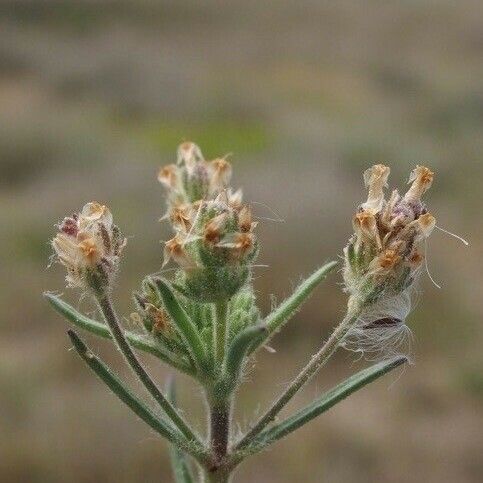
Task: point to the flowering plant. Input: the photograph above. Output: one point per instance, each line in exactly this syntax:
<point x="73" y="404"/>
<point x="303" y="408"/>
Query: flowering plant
<point x="204" y="322"/>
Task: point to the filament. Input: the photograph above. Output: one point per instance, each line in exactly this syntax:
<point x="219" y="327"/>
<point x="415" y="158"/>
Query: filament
<point x="426" y="264"/>
<point x="453" y="235"/>
<point x="278" y="218"/>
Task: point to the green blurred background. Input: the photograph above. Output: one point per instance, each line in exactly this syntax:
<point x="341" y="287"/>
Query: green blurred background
<point x="96" y="95"/>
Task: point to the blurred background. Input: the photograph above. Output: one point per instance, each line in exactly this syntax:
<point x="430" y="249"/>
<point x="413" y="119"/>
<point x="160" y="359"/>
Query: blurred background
<point x="96" y="95"/>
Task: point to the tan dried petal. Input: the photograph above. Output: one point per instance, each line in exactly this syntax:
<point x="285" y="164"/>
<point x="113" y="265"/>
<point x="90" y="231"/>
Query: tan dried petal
<point x="214" y="228"/>
<point x="221" y="174"/>
<point x="416" y="258"/>
<point x="66" y="248"/>
<point x="421" y="179"/>
<point x="90" y="251"/>
<point x="235" y="198"/>
<point x="189" y="153"/>
<point x="181" y="217"/>
<point x="375" y="178"/>
<point x="241" y="243"/>
<point x="245" y="219"/>
<point x="388" y="259"/>
<point x="365" y="226"/>
<point x="168" y="176"/>
<point x="426" y="224"/>
<point x="174" y="249"/>
<point x="161" y="322"/>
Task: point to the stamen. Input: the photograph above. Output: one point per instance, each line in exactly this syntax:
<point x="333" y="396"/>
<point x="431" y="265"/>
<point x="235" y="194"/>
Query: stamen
<point x="426" y="266"/>
<point x="453" y="235"/>
<point x="278" y="218"/>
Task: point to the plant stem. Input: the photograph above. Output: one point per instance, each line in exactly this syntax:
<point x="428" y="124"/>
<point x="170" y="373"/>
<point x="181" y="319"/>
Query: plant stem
<point x="280" y="316"/>
<point x="327" y="400"/>
<point x="220" y="415"/>
<point x="131" y="400"/>
<point x="219" y="331"/>
<point x="316" y="362"/>
<point x="112" y="321"/>
<point x="215" y="477"/>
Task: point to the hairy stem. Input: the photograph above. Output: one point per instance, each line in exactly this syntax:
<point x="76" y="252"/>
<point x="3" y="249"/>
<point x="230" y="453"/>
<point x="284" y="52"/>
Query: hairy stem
<point x="282" y="314"/>
<point x="131" y="400"/>
<point x="326" y="401"/>
<point x="316" y="362"/>
<point x="219" y="331"/>
<point x="220" y="415"/>
<point x="216" y="477"/>
<point x="112" y="321"/>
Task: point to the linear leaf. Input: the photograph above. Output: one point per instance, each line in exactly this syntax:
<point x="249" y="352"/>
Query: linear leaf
<point x="238" y="349"/>
<point x="275" y="320"/>
<point x="329" y="399"/>
<point x="125" y="394"/>
<point x="179" y="463"/>
<point x="183" y="322"/>
<point x="101" y="330"/>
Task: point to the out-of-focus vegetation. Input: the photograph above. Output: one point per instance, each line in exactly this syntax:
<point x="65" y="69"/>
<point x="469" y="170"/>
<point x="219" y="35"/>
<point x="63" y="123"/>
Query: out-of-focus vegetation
<point x="94" y="95"/>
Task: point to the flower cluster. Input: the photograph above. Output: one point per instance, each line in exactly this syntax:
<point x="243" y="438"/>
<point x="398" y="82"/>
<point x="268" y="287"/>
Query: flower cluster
<point x="89" y="246"/>
<point x="383" y="260"/>
<point x="383" y="255"/>
<point x="205" y="322"/>
<point x="214" y="244"/>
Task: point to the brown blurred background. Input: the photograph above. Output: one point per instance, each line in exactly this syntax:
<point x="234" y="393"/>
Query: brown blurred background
<point x="96" y="95"/>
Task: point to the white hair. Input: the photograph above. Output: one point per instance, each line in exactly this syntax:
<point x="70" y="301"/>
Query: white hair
<point x="380" y="332"/>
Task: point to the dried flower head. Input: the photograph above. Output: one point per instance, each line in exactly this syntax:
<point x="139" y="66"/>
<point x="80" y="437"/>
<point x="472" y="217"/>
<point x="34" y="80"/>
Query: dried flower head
<point x="88" y="244"/>
<point x="383" y="254"/>
<point x="214" y="243"/>
<point x="383" y="260"/>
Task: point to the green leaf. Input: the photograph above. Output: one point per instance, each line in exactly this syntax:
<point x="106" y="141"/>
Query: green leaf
<point x="125" y="394"/>
<point x="183" y="322"/>
<point x="238" y="350"/>
<point x="179" y="463"/>
<point x="101" y="330"/>
<point x="329" y="399"/>
<point x="289" y="306"/>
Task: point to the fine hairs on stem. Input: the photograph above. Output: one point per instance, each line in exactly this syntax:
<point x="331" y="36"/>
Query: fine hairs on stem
<point x="200" y="316"/>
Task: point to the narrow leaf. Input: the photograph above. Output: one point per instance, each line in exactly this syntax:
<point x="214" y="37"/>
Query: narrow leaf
<point x="329" y="399"/>
<point x="185" y="325"/>
<point x="123" y="393"/>
<point x="179" y="463"/>
<point x="238" y="350"/>
<point x="101" y="330"/>
<point x="289" y="306"/>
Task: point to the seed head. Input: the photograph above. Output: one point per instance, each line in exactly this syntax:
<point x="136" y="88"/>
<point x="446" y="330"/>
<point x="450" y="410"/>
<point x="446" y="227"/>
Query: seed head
<point x="382" y="256"/>
<point x="89" y="244"/>
<point x="214" y="243"/>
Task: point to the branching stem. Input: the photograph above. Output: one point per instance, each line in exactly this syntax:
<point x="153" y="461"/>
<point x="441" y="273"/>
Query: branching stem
<point x="112" y="321"/>
<point x="316" y="362"/>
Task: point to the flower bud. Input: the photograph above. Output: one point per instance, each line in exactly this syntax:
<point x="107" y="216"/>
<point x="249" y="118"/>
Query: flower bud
<point x="89" y="245"/>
